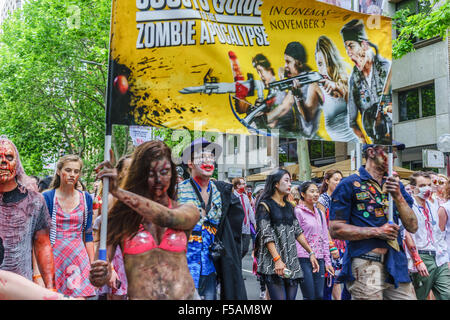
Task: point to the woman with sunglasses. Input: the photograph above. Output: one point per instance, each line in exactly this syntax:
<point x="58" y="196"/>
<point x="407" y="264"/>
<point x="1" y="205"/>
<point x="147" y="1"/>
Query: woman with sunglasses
<point x="439" y="181"/>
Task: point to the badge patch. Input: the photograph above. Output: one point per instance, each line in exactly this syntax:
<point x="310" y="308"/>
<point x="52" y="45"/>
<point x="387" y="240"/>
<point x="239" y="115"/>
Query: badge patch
<point x="379" y="212"/>
<point x="370" y="208"/>
<point x="363" y="187"/>
<point x="362" y="195"/>
<point x="366" y="214"/>
<point x="361" y="206"/>
<point x="372" y="190"/>
<point x="356" y="184"/>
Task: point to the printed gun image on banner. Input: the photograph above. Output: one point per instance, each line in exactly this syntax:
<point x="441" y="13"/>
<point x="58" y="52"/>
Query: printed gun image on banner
<point x="274" y="87"/>
<point x="210" y="86"/>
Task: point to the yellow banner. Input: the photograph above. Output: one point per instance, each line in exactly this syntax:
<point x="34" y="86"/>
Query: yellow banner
<point x="292" y="68"/>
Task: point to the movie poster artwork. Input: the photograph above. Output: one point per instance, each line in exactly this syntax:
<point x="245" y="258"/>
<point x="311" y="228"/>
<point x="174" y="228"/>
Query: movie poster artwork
<point x="291" y="68"/>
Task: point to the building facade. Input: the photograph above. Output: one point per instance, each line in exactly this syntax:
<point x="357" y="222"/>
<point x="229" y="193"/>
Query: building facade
<point x="421" y="99"/>
<point x="8" y="6"/>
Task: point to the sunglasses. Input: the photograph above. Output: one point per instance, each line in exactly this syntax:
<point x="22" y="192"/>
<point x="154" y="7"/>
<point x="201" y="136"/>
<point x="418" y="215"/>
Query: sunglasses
<point x="439" y="182"/>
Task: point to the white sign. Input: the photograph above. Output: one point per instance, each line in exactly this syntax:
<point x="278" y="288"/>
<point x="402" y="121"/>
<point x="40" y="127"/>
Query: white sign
<point x="234" y="172"/>
<point x="433" y="159"/>
<point x="140" y="134"/>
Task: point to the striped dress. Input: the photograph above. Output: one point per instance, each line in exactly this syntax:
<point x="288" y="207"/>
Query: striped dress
<point x="72" y="263"/>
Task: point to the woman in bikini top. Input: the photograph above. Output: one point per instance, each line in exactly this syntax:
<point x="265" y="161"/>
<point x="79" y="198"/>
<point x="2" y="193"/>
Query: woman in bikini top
<point x="149" y="226"/>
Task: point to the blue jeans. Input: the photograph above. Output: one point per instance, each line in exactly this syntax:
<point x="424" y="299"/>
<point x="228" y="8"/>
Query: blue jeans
<point x="312" y="284"/>
<point x="207" y="287"/>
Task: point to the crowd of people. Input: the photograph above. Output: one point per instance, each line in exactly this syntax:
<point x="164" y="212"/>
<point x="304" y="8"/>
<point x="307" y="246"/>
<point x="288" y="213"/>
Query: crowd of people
<point x="169" y="238"/>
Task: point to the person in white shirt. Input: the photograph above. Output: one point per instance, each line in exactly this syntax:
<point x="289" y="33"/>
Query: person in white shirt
<point x="427" y="246"/>
<point x="444" y="217"/>
<point x="239" y="186"/>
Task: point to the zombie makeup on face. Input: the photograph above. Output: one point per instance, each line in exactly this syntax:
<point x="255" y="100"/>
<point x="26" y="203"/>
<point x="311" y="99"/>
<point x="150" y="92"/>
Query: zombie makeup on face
<point x="159" y="177"/>
<point x="205" y="162"/>
<point x="70" y="173"/>
<point x="284" y="185"/>
<point x="7" y="162"/>
<point x="356" y="53"/>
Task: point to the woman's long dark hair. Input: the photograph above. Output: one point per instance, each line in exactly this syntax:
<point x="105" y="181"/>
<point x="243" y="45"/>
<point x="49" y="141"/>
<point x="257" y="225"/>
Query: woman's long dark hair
<point x="123" y="222"/>
<point x="328" y="175"/>
<point x="269" y="187"/>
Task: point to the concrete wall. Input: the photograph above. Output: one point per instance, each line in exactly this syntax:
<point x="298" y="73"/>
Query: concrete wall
<point x="426" y="65"/>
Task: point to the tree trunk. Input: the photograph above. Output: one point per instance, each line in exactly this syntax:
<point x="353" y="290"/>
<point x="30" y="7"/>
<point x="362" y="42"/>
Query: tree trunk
<point x="304" y="166"/>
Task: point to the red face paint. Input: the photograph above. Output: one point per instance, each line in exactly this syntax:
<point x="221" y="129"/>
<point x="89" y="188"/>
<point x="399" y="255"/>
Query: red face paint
<point x="7" y="162"/>
<point x="207" y="167"/>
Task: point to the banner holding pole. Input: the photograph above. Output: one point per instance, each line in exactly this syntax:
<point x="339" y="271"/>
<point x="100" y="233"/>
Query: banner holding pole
<point x="292" y="68"/>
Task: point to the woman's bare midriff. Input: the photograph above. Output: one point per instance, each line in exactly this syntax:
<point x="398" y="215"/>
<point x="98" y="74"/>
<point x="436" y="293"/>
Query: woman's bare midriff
<point x="158" y="275"/>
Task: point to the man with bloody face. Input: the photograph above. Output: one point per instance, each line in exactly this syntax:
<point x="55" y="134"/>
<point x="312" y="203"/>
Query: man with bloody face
<point x="375" y="266"/>
<point x="221" y="217"/>
<point x="24" y="220"/>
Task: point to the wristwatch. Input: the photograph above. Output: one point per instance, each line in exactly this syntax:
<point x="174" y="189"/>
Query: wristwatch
<point x="311" y="253"/>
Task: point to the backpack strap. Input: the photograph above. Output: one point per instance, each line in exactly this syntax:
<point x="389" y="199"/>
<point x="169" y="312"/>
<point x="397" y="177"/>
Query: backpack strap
<point x="265" y="206"/>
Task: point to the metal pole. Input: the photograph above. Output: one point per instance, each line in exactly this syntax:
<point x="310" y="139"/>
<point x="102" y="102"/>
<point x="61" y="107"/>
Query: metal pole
<point x="358" y="155"/>
<point x="104" y="225"/>
<point x="391" y="201"/>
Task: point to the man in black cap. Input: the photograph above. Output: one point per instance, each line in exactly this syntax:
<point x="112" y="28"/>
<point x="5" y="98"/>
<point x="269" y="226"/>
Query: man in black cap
<point x="214" y="247"/>
<point x="375" y="266"/>
<point x="369" y="75"/>
<point x="299" y="111"/>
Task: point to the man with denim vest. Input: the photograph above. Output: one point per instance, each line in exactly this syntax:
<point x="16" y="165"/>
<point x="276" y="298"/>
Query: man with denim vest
<point x="375" y="266"/>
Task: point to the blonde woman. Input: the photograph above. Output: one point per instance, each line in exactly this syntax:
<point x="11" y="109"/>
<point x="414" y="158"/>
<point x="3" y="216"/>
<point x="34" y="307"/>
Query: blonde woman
<point x="71" y="229"/>
<point x="334" y="89"/>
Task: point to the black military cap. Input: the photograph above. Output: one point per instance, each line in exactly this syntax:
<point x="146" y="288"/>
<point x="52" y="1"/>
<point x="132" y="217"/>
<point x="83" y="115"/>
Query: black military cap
<point x="354" y="31"/>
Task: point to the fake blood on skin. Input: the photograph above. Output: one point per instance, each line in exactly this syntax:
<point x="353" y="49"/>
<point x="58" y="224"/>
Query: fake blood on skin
<point x="4" y="153"/>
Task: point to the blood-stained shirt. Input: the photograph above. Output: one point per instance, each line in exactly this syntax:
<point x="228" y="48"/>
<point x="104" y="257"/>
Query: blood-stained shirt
<point x="22" y="213"/>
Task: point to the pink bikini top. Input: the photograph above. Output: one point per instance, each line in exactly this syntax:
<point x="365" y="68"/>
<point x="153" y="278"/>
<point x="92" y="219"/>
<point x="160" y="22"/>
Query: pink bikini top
<point x="172" y="240"/>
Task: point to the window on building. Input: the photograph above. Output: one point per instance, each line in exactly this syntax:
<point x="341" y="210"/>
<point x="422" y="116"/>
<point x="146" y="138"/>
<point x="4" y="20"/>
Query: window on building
<point x="233" y="144"/>
<point x="417" y="165"/>
<point x="321" y="149"/>
<point x="417" y="103"/>
<point x="317" y="150"/>
<point x="287" y="151"/>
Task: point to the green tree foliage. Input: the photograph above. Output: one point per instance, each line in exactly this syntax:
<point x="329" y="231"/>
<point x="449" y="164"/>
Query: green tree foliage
<point x="430" y="19"/>
<point x="54" y="62"/>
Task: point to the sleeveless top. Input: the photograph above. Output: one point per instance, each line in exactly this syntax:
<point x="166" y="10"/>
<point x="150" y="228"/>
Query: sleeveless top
<point x="172" y="240"/>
